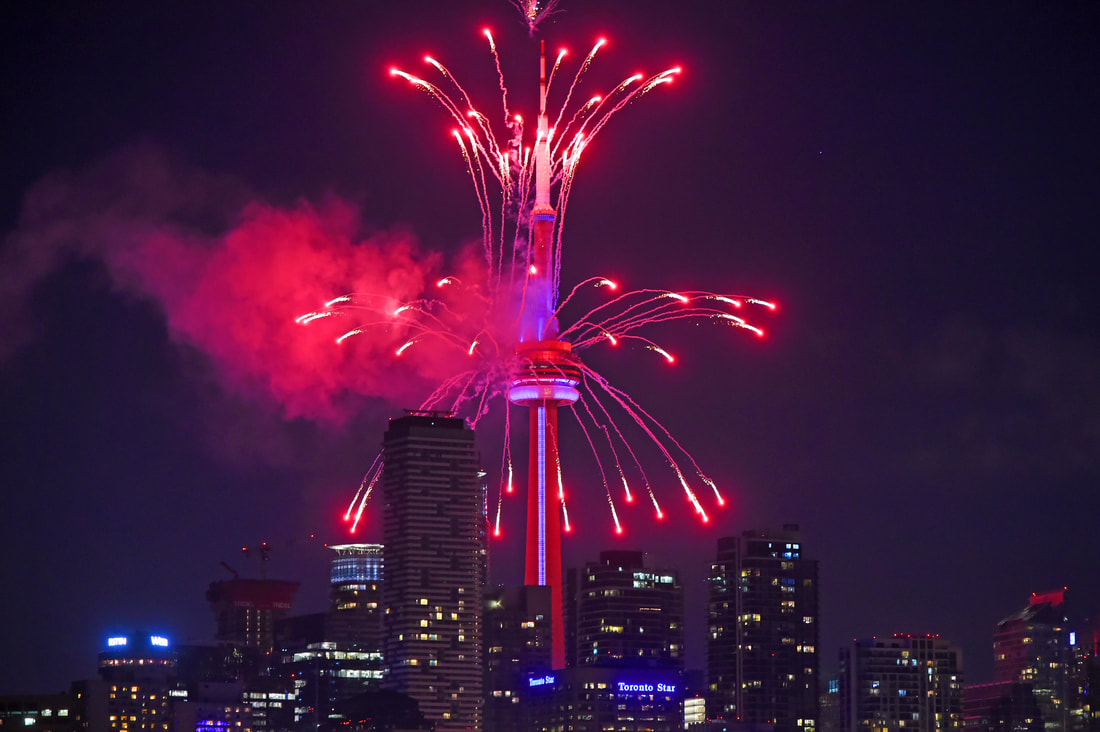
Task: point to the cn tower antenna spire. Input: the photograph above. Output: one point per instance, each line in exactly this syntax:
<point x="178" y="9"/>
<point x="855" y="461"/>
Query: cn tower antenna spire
<point x="542" y="78"/>
<point x="542" y="143"/>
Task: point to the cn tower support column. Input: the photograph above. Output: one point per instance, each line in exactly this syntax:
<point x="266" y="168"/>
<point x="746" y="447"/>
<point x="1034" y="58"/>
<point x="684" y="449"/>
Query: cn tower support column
<point x="543" y="560"/>
<point x="546" y="377"/>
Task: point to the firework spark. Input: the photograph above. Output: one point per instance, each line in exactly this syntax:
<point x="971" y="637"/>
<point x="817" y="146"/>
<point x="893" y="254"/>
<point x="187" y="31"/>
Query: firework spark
<point x="535" y="11"/>
<point x="483" y="318"/>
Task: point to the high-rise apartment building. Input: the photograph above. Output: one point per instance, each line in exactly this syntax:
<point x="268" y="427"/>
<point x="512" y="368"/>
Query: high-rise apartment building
<point x="246" y="610"/>
<point x="1032" y="646"/>
<point x="620" y="613"/>
<point x="1003" y="706"/>
<point x="899" y="684"/>
<point x="762" y="658"/>
<point x="334" y="656"/>
<point x="1089" y="684"/>
<point x="434" y="537"/>
<point x="1084" y="694"/>
<point x="517" y="641"/>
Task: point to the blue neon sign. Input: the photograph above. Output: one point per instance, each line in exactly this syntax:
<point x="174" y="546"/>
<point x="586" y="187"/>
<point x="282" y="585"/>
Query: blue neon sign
<point x="626" y="688"/>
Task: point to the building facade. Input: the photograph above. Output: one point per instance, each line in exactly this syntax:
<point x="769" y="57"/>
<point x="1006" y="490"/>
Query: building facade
<point x="1032" y="647"/>
<point x="355" y="608"/>
<point x="1003" y="706"/>
<point x="435" y="558"/>
<point x="898" y="684"/>
<point x="620" y="613"/>
<point x="64" y="712"/>
<point x="517" y="640"/>
<point x="762" y="658"/>
<point x="247" y="610"/>
<point x="140" y="676"/>
<point x="596" y="699"/>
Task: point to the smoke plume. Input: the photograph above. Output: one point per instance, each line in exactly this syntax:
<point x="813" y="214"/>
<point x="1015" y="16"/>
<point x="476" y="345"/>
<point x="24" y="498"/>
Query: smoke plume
<point x="230" y="273"/>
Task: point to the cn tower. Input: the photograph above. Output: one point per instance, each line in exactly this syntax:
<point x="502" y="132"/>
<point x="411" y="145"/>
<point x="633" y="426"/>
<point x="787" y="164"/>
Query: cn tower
<point x="545" y="377"/>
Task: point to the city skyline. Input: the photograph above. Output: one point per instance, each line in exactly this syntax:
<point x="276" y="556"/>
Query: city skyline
<point x="913" y="187"/>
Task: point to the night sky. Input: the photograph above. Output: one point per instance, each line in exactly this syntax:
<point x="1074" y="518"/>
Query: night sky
<point x="915" y="184"/>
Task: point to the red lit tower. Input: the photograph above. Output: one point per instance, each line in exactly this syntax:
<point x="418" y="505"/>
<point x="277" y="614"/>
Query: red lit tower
<point x="545" y="377"/>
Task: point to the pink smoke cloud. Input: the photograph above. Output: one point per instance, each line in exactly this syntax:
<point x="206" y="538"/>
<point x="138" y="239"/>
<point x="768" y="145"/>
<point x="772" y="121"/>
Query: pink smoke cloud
<point x="231" y="274"/>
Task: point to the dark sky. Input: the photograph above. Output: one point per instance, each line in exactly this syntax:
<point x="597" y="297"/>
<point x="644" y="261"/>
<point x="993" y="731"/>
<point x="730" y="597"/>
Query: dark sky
<point x="915" y="184"/>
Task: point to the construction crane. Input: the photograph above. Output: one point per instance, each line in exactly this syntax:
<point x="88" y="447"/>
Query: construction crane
<point x="263" y="551"/>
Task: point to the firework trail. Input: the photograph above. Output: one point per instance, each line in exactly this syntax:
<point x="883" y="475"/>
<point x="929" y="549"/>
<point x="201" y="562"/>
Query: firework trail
<point x="484" y="315"/>
<point x="534" y="11"/>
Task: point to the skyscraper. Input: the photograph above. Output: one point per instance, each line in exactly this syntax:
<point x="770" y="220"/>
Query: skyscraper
<point x="517" y="641"/>
<point x="335" y="656"/>
<point x="619" y="613"/>
<point x="355" y="609"/>
<point x="434" y="537"/>
<point x="901" y="683"/>
<point x="762" y="659"/>
<point x="1032" y="646"/>
<point x="246" y="610"/>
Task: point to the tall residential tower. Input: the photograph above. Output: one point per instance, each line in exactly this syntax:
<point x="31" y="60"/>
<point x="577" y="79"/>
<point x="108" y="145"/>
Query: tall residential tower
<point x="620" y="613"/>
<point x="434" y="538"/>
<point x="907" y="682"/>
<point x="1032" y="647"/>
<point x="762" y="636"/>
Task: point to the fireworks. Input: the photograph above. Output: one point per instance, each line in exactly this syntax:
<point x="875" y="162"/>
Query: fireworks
<point x="522" y="182"/>
<point x="535" y="11"/>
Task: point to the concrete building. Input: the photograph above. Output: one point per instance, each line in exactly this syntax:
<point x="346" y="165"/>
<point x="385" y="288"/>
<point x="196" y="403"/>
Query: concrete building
<point x="1032" y="647"/>
<point x="64" y="712"/>
<point x="247" y="610"/>
<point x="1003" y="706"/>
<point x="899" y="684"/>
<point x="620" y="613"/>
<point x="139" y="671"/>
<point x="435" y="559"/>
<point x="595" y="699"/>
<point x="355" y="609"/>
<point x="762" y="657"/>
<point x="517" y="640"/>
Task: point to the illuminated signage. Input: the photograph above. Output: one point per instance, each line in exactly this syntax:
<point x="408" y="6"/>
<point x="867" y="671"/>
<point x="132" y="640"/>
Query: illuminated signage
<point x="1072" y="638"/>
<point x="626" y="688"/>
<point x="116" y="641"/>
<point x="541" y="680"/>
<point x="158" y="640"/>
